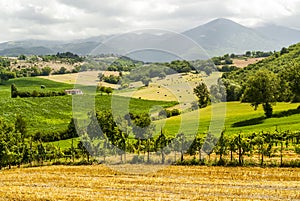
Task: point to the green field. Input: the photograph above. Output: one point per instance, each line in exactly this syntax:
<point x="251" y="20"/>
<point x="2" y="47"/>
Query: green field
<point x="52" y="114"/>
<point x="32" y="83"/>
<point x="241" y="118"/>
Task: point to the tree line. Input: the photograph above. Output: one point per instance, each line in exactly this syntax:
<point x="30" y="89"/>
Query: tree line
<point x="135" y="134"/>
<point x="25" y="94"/>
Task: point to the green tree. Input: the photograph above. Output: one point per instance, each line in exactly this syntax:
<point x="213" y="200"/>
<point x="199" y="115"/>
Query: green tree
<point x="221" y="147"/>
<point x="62" y="70"/>
<point x="196" y="146"/>
<point x="85" y="145"/>
<point x="209" y="144"/>
<point x="160" y="145"/>
<point x="291" y="76"/>
<point x="202" y="93"/>
<point x="108" y="90"/>
<point x="71" y="131"/>
<point x="143" y="130"/>
<point x="181" y="144"/>
<point x="6" y="75"/>
<point x="14" y="91"/>
<point x="46" y="71"/>
<point x="262" y="88"/>
<point x="21" y="127"/>
<point x="22" y="57"/>
<point x="146" y="80"/>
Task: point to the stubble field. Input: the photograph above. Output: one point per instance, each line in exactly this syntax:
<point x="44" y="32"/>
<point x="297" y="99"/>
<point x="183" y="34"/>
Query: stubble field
<point x="170" y="183"/>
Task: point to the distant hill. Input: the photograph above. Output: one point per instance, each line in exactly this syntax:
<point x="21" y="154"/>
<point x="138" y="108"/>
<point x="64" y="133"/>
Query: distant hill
<point x="222" y="36"/>
<point x="218" y="37"/>
<point x="283" y="35"/>
<point x="16" y="51"/>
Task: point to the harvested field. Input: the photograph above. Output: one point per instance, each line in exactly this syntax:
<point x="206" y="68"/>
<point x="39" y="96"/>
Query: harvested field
<point x="170" y="183"/>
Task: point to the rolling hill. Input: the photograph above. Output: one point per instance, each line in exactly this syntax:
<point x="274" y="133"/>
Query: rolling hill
<point x="276" y="63"/>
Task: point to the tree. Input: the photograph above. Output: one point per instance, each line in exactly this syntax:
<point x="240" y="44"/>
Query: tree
<point x="221" y="147"/>
<point x="160" y="144"/>
<point x="14" y="91"/>
<point x="46" y="71"/>
<point x="196" y="146"/>
<point x="291" y="76"/>
<point x="21" y="127"/>
<point x="262" y="88"/>
<point x="146" y="80"/>
<point x="125" y="130"/>
<point x="248" y="54"/>
<point x="6" y="75"/>
<point x="143" y="130"/>
<point x="108" y="90"/>
<point x="72" y="132"/>
<point x="181" y="144"/>
<point x="202" y="93"/>
<point x="85" y="145"/>
<point x="284" y="50"/>
<point x="62" y="70"/>
<point x="101" y="89"/>
<point x="22" y="57"/>
<point x="209" y="144"/>
<point x="218" y="93"/>
<point x="100" y="76"/>
<point x="162" y="75"/>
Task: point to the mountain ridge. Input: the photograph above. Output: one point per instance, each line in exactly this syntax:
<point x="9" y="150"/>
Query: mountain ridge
<point x="217" y="37"/>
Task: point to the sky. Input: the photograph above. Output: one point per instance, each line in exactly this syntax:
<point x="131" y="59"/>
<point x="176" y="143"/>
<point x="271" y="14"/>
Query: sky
<point x="75" y="19"/>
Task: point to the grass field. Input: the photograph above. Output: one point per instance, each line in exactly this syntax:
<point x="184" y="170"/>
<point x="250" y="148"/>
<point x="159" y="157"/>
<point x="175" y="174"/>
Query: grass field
<point x="32" y="83"/>
<point x="169" y="183"/>
<point x="240" y="118"/>
<point x="52" y="114"/>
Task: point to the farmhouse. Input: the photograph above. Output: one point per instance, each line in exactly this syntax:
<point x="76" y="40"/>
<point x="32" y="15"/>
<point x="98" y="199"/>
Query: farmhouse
<point x="73" y="92"/>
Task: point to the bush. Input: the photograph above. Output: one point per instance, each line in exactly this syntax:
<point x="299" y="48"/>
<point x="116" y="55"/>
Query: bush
<point x="297" y="149"/>
<point x="169" y="113"/>
<point x="137" y="159"/>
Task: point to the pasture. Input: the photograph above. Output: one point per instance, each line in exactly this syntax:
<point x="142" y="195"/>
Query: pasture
<point x="99" y="182"/>
<point x="52" y="114"/>
<point x="239" y="118"/>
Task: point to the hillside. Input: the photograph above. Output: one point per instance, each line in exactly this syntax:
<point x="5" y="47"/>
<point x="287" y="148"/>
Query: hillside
<point x="279" y="33"/>
<point x="276" y="63"/>
<point x="51" y="115"/>
<point x="223" y="36"/>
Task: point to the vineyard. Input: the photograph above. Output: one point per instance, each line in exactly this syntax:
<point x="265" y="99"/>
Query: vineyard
<point x="169" y="183"/>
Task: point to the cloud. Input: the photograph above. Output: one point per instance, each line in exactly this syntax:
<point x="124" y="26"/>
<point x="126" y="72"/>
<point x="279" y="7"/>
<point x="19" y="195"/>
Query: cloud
<point x="70" y="19"/>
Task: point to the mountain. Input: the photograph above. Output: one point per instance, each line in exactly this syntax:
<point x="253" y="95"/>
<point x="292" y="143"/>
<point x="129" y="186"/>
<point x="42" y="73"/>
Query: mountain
<point x="218" y="37"/>
<point x="222" y="36"/>
<point x="283" y="35"/>
<point x="16" y="51"/>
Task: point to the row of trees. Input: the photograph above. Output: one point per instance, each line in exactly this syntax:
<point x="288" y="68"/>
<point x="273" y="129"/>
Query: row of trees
<point x="7" y="72"/>
<point x="103" y="89"/>
<point x="18" y="148"/>
<point x="25" y="94"/>
<point x="135" y="134"/>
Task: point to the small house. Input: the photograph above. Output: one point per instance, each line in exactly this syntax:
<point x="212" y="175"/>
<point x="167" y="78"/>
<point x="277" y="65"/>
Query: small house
<point x="73" y="92"/>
